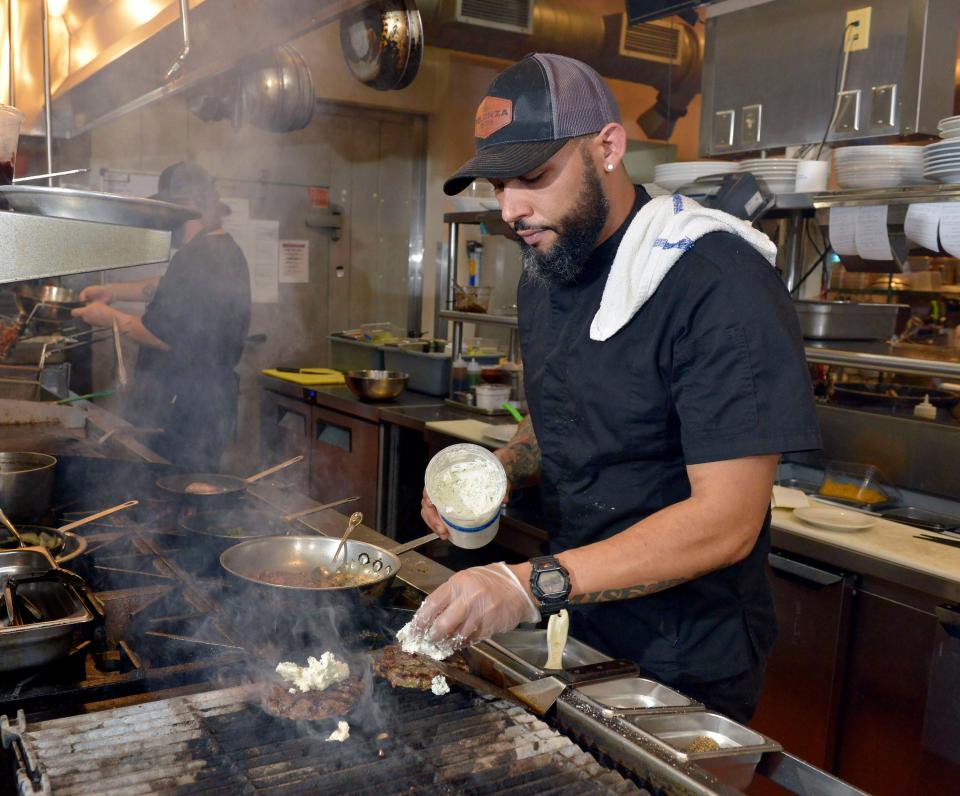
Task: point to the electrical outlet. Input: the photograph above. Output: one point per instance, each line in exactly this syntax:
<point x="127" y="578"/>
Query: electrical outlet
<point x="858" y="37"/>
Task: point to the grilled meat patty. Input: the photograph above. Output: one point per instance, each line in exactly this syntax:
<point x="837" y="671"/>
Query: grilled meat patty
<point x="331" y="703"/>
<point x="404" y="670"/>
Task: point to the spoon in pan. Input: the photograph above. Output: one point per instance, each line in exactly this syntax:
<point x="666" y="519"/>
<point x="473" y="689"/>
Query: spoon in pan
<point x="9" y="526"/>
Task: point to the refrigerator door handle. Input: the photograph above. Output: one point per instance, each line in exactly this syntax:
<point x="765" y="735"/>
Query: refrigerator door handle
<point x="782" y="564"/>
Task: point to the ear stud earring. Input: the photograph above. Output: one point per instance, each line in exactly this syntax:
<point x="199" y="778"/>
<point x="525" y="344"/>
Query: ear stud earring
<point x="609" y="167"/>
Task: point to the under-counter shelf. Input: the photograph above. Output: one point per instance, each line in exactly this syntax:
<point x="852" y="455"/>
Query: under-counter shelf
<point x="885" y="356"/>
<point x="479" y="317"/>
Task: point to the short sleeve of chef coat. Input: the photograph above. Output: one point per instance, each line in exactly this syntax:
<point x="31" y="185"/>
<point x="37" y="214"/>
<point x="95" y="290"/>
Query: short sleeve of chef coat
<point x="739" y="378"/>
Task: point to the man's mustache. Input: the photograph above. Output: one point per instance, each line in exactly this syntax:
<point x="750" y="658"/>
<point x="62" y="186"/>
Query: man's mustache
<point x="523" y="225"/>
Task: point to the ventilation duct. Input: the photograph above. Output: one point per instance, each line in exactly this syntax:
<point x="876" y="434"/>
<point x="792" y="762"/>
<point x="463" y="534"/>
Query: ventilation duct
<point x="665" y="54"/>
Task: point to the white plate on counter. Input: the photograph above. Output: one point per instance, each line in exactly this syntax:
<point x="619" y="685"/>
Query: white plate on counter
<point x="835" y="519"/>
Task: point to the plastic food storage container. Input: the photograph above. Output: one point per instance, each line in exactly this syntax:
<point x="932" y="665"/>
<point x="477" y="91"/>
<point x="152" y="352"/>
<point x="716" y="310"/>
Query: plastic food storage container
<point x="857" y="485"/>
<point x="490" y="396"/>
<point x="467" y="484"/>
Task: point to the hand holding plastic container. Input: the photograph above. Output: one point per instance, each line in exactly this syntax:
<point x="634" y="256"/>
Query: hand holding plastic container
<point x="467" y="484"/>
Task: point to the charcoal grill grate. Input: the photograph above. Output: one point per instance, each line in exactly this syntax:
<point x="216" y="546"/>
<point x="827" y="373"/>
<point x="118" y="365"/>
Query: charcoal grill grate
<point x="220" y="743"/>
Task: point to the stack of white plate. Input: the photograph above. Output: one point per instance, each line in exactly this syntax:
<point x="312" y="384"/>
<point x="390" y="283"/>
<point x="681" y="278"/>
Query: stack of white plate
<point x="878" y="166"/>
<point x="949" y="127"/>
<point x="672" y="176"/>
<point x="780" y="174"/>
<point x="941" y="161"/>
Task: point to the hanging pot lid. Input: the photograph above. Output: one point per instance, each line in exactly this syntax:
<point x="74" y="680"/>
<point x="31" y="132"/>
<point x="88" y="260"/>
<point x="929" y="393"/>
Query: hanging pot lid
<point x="383" y="43"/>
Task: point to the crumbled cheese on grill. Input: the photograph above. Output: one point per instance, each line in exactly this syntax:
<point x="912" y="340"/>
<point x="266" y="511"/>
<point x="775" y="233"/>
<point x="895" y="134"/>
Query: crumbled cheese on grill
<point x="317" y="675"/>
<point x="467" y="489"/>
<point x="439" y="685"/>
<point x="414" y="643"/>
<point x="341" y="733"/>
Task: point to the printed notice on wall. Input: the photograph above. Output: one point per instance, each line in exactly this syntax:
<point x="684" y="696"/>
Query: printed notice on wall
<point x="294" y="261"/>
<point x="259" y="241"/>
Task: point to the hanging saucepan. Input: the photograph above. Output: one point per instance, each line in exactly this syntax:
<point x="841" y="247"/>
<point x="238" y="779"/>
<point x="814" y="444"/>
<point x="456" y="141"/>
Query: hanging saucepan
<point x="210" y="490"/>
<point x="383" y="43"/>
<point x="275" y="91"/>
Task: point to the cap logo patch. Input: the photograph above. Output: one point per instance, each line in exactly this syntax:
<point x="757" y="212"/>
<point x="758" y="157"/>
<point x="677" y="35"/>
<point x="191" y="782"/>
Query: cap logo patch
<point x="493" y="114"/>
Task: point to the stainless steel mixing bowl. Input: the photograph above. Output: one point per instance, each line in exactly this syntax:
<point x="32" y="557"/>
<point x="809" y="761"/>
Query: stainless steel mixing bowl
<point x="376" y="385"/>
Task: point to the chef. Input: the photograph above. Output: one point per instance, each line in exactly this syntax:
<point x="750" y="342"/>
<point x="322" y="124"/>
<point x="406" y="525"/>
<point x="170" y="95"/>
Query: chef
<point x="193" y="331"/>
<point x="665" y="375"/>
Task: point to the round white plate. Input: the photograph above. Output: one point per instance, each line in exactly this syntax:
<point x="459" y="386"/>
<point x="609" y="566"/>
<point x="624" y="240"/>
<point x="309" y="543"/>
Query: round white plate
<point x="835" y="519"/>
<point x="501" y="433"/>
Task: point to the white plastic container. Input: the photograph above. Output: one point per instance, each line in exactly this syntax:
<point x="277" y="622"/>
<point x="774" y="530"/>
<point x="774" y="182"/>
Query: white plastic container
<point x="491" y="396"/>
<point x="467" y="484"/>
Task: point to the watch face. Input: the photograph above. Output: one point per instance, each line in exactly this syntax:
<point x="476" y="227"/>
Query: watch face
<point x="551" y="582"/>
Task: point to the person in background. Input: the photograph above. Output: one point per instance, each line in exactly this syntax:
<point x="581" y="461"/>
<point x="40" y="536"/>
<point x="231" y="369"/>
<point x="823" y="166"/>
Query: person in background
<point x="665" y="374"/>
<point x="192" y="334"/>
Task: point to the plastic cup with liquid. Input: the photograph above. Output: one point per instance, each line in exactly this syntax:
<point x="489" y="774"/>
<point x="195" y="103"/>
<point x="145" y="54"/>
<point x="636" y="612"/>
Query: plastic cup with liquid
<point x="467" y="484"/>
<point x="10" y="120"/>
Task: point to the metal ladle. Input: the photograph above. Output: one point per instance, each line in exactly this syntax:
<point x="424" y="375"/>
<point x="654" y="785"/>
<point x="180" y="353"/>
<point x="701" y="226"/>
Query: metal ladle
<point x="355" y="519"/>
<point x="9" y="526"/>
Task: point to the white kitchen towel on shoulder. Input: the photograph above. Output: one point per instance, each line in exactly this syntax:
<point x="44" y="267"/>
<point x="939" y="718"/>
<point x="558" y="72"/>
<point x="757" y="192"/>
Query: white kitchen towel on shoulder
<point x="664" y="229"/>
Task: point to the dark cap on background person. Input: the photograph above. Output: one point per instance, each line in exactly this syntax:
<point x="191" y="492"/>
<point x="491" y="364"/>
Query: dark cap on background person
<point x="186" y="181"/>
<point x="529" y="112"/>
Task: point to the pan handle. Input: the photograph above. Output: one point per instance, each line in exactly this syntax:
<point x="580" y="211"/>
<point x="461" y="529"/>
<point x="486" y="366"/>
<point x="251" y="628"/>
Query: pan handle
<point x="276" y="468"/>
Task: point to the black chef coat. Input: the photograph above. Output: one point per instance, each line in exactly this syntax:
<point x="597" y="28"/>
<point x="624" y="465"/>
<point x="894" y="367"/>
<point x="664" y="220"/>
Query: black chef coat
<point x="202" y="311"/>
<point x="710" y="368"/>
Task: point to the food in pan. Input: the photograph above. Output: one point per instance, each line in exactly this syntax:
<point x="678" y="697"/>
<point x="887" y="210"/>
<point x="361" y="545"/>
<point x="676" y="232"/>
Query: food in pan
<point x="202" y="488"/>
<point x="439" y="685"/>
<point x="405" y="670"/>
<point x="702" y="743"/>
<point x="316" y="579"/>
<point x="852" y="492"/>
<point x="323" y="689"/>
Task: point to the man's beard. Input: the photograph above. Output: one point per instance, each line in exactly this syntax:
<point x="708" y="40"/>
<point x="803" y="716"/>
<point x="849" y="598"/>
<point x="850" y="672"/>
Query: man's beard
<point x="577" y="235"/>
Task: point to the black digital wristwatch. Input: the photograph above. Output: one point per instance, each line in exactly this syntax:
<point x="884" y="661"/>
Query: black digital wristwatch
<point x="550" y="584"/>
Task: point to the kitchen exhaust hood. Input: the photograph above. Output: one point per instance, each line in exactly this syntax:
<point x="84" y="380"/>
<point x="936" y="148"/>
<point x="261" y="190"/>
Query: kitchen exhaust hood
<point x="109" y="57"/>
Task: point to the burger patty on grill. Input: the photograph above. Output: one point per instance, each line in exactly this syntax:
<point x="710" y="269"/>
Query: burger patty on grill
<point x="331" y="703"/>
<point x="405" y="670"/>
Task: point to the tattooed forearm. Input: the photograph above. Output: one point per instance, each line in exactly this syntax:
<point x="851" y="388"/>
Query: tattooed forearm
<point x="640" y="590"/>
<point x="521" y="458"/>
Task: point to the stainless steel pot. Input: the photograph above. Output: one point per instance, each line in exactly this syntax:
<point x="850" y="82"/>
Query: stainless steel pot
<point x="262" y="563"/>
<point x="383" y="43"/>
<point x="276" y="91"/>
<point x="26" y="484"/>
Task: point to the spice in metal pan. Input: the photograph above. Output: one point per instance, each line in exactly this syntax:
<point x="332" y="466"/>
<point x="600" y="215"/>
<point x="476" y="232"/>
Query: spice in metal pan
<point x="702" y="743"/>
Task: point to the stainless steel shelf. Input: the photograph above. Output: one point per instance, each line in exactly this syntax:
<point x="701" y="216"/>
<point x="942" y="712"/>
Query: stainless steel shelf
<point x="888" y="196"/>
<point x="881" y="356"/>
<point x="38" y="246"/>
<point x="479" y="317"/>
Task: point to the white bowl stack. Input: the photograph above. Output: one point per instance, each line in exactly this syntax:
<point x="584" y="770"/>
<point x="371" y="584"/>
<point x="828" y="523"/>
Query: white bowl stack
<point x="779" y="174"/>
<point x="672" y="176"/>
<point x="879" y="166"/>
<point x="941" y="161"/>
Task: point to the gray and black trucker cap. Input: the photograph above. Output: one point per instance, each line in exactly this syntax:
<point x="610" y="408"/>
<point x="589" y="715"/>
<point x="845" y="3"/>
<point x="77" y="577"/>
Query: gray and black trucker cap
<point x="529" y="112"/>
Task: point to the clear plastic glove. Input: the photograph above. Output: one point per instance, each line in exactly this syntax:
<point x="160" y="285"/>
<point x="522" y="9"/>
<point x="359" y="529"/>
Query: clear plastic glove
<point x="475" y="604"/>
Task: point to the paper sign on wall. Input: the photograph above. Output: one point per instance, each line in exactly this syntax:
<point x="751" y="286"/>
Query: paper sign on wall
<point x="294" y="261"/>
<point x="259" y="241"/>
<point x="873" y="242"/>
<point x="922" y="223"/>
<point x="843" y="228"/>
